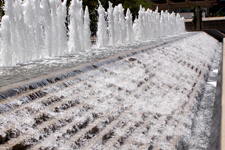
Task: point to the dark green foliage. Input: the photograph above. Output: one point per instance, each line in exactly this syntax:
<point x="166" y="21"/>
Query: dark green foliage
<point x="1" y="8"/>
<point x="219" y="13"/>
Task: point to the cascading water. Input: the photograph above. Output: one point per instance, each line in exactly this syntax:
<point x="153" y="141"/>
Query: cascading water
<point x="147" y="98"/>
<point x="36" y="29"/>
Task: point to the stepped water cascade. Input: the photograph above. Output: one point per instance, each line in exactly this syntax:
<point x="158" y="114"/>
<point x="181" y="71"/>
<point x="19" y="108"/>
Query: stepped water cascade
<point x="153" y="97"/>
<point x="36" y="29"/>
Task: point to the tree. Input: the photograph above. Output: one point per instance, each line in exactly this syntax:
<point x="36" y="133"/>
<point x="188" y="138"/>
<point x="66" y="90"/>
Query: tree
<point x="1" y="8"/>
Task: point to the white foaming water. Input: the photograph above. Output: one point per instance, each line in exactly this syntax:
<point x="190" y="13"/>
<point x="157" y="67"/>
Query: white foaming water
<point x="119" y="25"/>
<point x="87" y="32"/>
<point x="74" y="27"/>
<point x="111" y="25"/>
<point x="34" y="30"/>
<point x="130" y="31"/>
<point x="102" y="28"/>
<point x="148" y="26"/>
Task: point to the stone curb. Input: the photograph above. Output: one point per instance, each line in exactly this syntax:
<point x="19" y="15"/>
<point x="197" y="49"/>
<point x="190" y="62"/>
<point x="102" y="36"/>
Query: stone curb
<point x="223" y="103"/>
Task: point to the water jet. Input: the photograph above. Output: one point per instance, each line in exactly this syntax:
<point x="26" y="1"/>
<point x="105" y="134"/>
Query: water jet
<point x="137" y="88"/>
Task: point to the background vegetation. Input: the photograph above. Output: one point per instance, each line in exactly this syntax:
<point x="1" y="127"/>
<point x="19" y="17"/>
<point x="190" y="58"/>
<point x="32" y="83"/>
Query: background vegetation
<point x="1" y="8"/>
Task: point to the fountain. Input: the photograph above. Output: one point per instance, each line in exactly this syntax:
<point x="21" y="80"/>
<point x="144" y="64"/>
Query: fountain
<point x="141" y="99"/>
<point x="142" y="86"/>
<point x="148" y="26"/>
<point x="34" y="30"/>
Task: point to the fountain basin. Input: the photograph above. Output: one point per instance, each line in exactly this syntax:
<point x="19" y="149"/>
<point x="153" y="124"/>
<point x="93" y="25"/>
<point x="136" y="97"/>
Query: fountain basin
<point x="142" y="99"/>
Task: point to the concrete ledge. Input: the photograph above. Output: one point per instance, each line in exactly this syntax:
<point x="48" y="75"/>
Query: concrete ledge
<point x="223" y="103"/>
<point x="207" y="23"/>
<point x="216" y="34"/>
<point x="217" y="138"/>
<point x="207" y="19"/>
<point x="217" y="132"/>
